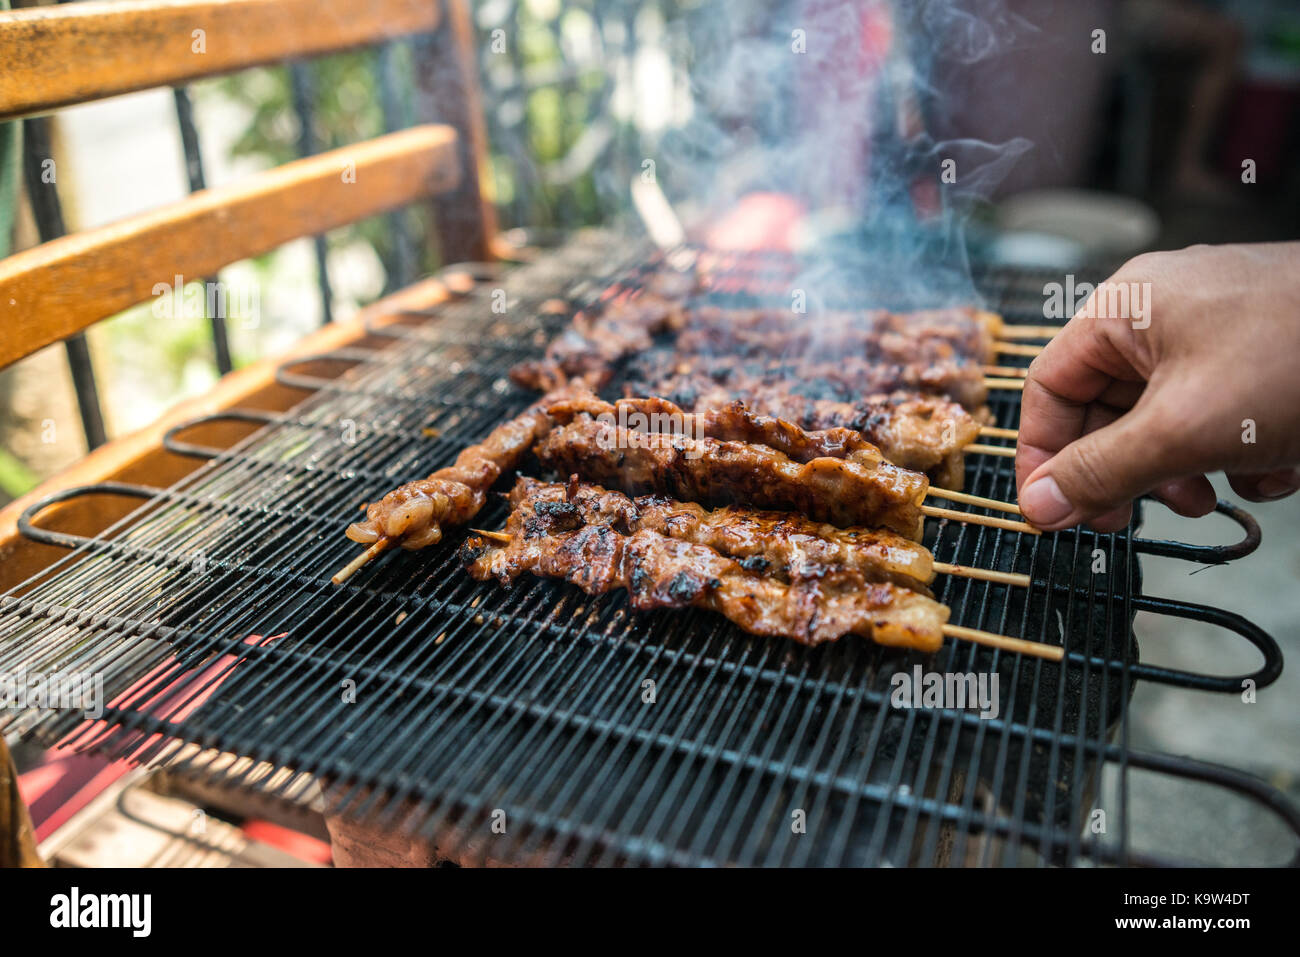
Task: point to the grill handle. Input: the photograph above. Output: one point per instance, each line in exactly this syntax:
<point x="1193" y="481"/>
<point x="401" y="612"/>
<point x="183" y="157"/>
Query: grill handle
<point x="1208" y="554"/>
<point x="192" y="449"/>
<point x="309" y="383"/>
<point x="45" y="536"/>
<point x="1262" y="640"/>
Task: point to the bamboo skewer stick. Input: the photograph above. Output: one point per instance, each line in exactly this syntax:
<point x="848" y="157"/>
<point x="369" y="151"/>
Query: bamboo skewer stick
<point x="967" y="499"/>
<point x="994" y="432"/>
<point x="983" y="574"/>
<point x="1004" y="451"/>
<point x="352" y="567"/>
<point x="1015" y="385"/>
<point x="1004" y="523"/>
<point x="1011" y="331"/>
<point x="1005" y="642"/>
<point x="1011" y="372"/>
<point x="1017" y="349"/>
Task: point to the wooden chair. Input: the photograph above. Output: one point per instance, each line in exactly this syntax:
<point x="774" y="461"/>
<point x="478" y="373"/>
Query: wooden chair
<point x="61" y="55"/>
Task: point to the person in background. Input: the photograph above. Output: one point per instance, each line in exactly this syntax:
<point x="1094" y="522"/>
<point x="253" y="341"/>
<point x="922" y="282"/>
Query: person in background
<point x="1205" y="381"/>
<point x="1215" y="41"/>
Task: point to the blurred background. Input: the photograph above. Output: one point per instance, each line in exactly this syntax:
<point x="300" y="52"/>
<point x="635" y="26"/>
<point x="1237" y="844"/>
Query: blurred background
<point x="1083" y="133"/>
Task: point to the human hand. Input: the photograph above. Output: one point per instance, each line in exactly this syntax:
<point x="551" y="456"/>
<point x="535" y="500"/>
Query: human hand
<point x="1207" y="378"/>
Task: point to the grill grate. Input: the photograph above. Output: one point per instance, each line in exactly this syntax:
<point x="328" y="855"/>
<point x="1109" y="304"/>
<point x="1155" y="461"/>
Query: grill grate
<point x="210" y="616"/>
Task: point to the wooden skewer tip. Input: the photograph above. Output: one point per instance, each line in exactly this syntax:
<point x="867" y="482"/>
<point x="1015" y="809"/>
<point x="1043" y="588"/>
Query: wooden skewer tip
<point x="1014" y="385"/>
<point x="971" y="518"/>
<point x="1005" y="642"/>
<point x="993" y="432"/>
<point x="354" y="566"/>
<point x="1001" y="451"/>
<point x="983" y="574"/>
<point x="1013" y="331"/>
<point x="1017" y="349"/>
<point x="967" y="499"/>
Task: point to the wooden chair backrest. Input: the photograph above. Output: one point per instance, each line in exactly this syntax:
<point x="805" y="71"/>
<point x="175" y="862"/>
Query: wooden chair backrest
<point x="73" y="53"/>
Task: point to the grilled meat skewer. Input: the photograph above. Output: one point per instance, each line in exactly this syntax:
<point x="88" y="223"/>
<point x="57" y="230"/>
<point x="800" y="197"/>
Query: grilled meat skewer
<point x="843" y="491"/>
<point x="929" y="335"/>
<point x="732" y="422"/>
<point x="785" y="544"/>
<point x="590" y="348"/>
<point x="414" y="515"/>
<point x="659" y="571"/>
<point x="846" y="378"/>
<point x="924" y="433"/>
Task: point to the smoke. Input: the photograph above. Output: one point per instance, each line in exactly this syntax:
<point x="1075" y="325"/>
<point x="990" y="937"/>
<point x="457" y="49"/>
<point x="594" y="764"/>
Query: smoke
<point x="831" y="103"/>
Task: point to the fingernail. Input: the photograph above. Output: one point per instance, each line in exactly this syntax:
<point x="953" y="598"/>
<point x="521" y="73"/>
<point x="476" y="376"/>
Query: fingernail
<point x="1275" y="486"/>
<point x="1044" y="502"/>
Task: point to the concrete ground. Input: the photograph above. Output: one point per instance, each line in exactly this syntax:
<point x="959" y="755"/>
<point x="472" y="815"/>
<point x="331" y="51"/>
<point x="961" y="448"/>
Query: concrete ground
<point x="1263" y="738"/>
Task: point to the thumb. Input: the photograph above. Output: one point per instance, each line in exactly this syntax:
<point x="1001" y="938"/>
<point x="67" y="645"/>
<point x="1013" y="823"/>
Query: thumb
<point x="1103" y="470"/>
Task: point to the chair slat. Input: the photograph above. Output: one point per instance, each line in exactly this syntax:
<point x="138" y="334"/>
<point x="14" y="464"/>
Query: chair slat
<point x="72" y="53"/>
<point x="59" y="288"/>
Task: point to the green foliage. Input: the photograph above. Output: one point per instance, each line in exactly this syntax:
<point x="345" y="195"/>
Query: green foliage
<point x="346" y="107"/>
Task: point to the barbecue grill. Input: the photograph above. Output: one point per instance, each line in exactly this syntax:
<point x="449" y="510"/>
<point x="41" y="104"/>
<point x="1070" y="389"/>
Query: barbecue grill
<point x="533" y="724"/>
<point x="517" y="725"/>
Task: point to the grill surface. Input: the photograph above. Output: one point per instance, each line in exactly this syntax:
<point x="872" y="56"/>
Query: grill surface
<point x="424" y="700"/>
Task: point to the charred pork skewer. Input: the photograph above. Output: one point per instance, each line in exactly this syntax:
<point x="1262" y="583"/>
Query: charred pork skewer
<point x="845" y="379"/>
<point x="415" y="514"/>
<point x="857" y="489"/>
<point x="783" y="543"/>
<point x="797" y="580"/>
<point x="659" y="571"/>
<point x="738" y="424"/>
<point x="732" y="422"/>
<point x="930" y="335"/>
<point x="832" y="475"/>
<point x="590" y="348"/>
<point x="920" y="432"/>
<point x="938" y="350"/>
<point x="843" y="491"/>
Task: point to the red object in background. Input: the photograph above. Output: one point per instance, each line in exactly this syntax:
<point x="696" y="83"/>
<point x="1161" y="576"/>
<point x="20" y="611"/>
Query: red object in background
<point x="758" y="221"/>
<point x="836" y="89"/>
<point x="302" y="846"/>
<point x="67" y="780"/>
<point x="1257" y="126"/>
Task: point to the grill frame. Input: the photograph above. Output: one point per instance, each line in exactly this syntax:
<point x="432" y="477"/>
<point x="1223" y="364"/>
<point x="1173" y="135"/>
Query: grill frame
<point x="453" y="800"/>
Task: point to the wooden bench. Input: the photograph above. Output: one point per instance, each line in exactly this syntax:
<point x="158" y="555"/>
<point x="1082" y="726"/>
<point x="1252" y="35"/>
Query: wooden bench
<point x="61" y="55"/>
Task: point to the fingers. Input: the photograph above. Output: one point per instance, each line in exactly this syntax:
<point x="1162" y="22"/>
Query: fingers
<point x="1096" y="476"/>
<point x="1266" y="487"/>
<point x="1077" y="371"/>
<point x="1113" y="521"/>
<point x="1192" y="496"/>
